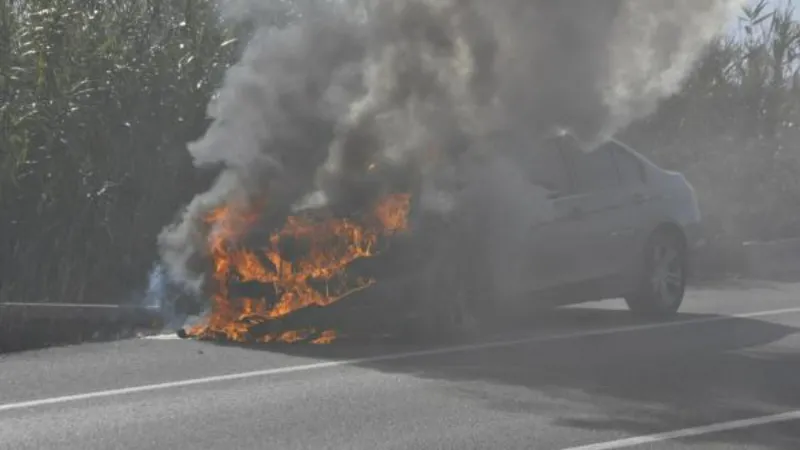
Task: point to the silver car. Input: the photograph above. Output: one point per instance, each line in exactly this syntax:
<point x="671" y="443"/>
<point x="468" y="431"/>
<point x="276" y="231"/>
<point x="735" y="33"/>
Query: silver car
<point x="557" y="225"/>
<point x="524" y="224"/>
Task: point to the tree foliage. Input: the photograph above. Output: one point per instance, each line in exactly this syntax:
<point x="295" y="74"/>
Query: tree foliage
<point x="734" y="129"/>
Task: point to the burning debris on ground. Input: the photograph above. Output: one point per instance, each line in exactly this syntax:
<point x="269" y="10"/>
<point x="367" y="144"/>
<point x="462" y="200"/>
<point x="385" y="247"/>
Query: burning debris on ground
<point x="375" y="110"/>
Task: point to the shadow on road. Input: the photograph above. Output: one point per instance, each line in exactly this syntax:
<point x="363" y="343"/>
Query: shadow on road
<point x="740" y="284"/>
<point x="636" y="382"/>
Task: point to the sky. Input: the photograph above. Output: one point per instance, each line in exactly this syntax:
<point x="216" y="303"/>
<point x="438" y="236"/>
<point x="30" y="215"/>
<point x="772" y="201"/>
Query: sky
<point x="772" y="4"/>
<point x="779" y="3"/>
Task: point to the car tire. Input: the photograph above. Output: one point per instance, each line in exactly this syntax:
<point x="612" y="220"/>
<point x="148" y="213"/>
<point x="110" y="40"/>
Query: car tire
<point x="662" y="285"/>
<point x="450" y="297"/>
<point x="446" y="311"/>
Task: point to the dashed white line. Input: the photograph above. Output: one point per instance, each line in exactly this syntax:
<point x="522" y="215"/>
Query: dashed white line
<point x="691" y="432"/>
<point x="389" y="357"/>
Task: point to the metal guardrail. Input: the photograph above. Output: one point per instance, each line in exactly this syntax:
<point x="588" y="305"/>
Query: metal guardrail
<point x="68" y="311"/>
<point x="778" y="259"/>
<point x="30" y="325"/>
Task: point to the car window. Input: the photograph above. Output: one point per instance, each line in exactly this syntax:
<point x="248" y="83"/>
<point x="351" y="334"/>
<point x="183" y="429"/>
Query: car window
<point x="630" y="168"/>
<point x="546" y="167"/>
<point x="595" y="170"/>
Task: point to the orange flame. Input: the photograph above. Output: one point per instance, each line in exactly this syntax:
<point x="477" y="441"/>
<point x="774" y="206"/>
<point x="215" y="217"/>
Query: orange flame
<point x="326" y="248"/>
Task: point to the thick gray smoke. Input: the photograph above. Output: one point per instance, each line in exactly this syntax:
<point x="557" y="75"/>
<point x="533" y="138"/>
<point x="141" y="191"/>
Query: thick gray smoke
<point x="346" y="97"/>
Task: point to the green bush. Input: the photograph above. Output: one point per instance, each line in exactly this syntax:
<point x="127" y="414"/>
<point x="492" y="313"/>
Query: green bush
<point x="733" y="130"/>
<point x="97" y="100"/>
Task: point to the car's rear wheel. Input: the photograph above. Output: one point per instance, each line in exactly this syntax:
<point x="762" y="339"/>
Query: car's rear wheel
<point x="662" y="286"/>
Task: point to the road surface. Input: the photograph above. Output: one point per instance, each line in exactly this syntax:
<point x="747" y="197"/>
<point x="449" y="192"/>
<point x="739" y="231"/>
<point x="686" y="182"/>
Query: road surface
<point x="725" y="374"/>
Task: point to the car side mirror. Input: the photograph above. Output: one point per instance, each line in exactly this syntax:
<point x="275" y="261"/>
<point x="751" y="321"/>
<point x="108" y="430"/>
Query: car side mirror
<point x="551" y="195"/>
<point x="552" y="189"/>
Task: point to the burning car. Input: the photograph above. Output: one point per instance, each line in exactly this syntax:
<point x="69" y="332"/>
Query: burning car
<point x="547" y="223"/>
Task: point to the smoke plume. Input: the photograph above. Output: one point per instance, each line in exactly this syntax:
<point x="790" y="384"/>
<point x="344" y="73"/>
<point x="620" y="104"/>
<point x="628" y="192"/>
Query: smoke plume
<point x="347" y="98"/>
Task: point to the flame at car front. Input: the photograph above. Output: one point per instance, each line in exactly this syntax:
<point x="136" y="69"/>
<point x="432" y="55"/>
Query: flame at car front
<point x="302" y="264"/>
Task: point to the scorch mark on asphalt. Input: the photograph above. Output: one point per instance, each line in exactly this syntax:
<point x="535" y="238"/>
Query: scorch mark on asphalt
<point x="389" y="357"/>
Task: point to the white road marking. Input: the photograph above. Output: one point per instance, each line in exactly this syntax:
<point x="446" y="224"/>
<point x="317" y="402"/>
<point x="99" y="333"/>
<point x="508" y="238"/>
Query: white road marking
<point x="691" y="432"/>
<point x="389" y="357"/>
<point x="163" y="337"/>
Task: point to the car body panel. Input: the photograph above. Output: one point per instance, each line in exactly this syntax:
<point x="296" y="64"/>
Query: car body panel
<point x="539" y="250"/>
<point x="593" y="246"/>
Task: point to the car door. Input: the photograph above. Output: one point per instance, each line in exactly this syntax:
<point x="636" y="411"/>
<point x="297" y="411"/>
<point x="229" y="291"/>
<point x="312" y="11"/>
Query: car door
<point x="555" y="246"/>
<point x="513" y="193"/>
<point x="635" y="213"/>
<point x="594" y="211"/>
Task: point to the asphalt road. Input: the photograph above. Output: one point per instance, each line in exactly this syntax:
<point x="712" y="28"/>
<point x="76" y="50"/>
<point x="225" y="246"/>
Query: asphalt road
<point x="725" y="374"/>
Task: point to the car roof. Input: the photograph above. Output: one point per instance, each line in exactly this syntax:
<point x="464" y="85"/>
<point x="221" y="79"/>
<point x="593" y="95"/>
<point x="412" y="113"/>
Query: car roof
<point x="562" y="132"/>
